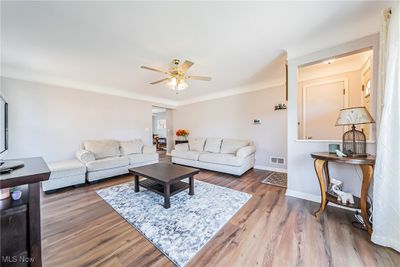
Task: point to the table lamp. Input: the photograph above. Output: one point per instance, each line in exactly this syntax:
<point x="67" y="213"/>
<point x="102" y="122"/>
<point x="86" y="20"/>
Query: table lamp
<point x="354" y="141"/>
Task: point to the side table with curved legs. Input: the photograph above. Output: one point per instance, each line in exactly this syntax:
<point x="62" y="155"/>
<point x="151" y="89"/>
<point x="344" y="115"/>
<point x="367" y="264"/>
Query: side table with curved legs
<point x="366" y="164"/>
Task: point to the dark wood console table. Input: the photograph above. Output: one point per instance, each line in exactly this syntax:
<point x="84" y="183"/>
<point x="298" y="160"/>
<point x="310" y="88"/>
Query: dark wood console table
<point x="181" y="142"/>
<point x="321" y="167"/>
<point x="20" y="219"/>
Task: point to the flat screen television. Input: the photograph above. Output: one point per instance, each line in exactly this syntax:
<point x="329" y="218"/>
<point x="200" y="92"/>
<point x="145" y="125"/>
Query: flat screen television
<point x="3" y="125"/>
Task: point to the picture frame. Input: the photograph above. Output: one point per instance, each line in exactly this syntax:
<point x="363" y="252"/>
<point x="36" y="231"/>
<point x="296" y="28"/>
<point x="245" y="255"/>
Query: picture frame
<point x="367" y="90"/>
<point x="161" y="124"/>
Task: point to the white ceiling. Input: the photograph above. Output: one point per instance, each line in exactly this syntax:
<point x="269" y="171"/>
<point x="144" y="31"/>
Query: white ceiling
<point x="343" y="64"/>
<point x="99" y="46"/>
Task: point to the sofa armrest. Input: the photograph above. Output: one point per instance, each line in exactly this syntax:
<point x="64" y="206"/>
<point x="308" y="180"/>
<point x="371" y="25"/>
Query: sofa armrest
<point x="246" y="151"/>
<point x="84" y="156"/>
<point x="149" y="149"/>
<point x="182" y="147"/>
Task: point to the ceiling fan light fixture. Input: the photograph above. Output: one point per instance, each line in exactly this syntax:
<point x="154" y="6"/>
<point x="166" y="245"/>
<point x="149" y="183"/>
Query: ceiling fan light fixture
<point x="177" y="85"/>
<point x="173" y="81"/>
<point x="182" y="85"/>
<point x="176" y="79"/>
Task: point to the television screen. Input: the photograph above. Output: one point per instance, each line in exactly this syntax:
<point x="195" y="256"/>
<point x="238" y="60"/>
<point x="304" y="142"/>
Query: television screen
<point x="3" y="125"/>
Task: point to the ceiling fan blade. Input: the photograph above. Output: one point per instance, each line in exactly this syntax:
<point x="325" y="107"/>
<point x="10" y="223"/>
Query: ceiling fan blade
<point x="186" y="65"/>
<point x="153" y="69"/>
<point x="160" y="81"/>
<point x="200" y="78"/>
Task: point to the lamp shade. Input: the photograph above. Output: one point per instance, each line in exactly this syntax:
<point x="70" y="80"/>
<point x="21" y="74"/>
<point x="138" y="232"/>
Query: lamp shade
<point x="356" y="115"/>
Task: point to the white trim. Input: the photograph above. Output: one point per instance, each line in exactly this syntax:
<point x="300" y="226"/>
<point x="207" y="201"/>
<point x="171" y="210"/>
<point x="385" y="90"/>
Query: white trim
<point x="234" y="91"/>
<point x="55" y="81"/>
<point x="306" y="86"/>
<point x="14" y="73"/>
<point x="313" y="198"/>
<point x="267" y="168"/>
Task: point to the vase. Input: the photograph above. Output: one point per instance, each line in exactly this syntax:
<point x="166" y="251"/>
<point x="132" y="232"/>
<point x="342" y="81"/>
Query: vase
<point x="182" y="138"/>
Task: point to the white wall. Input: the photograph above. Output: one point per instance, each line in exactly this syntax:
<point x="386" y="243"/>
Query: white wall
<point x="169" y="116"/>
<point x="51" y="121"/>
<point x="232" y="117"/>
<point x="302" y="180"/>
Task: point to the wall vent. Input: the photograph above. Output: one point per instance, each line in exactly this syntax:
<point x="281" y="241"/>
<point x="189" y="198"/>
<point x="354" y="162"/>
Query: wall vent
<point x="277" y="160"/>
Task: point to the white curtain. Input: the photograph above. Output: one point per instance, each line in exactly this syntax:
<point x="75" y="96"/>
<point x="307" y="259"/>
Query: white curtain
<point x="386" y="191"/>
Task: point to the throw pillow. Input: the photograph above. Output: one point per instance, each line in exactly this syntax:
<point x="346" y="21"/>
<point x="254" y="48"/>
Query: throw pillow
<point x="230" y="146"/>
<point x="196" y="144"/>
<point x="102" y="148"/>
<point x="182" y="147"/>
<point x="213" y="145"/>
<point x="131" y="147"/>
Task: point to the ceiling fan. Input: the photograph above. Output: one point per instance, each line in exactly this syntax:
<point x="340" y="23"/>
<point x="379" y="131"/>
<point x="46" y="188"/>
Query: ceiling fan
<point x="177" y="76"/>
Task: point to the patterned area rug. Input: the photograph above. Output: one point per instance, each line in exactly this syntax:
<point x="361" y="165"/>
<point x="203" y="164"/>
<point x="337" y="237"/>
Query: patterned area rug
<point x="277" y="179"/>
<point x="182" y="230"/>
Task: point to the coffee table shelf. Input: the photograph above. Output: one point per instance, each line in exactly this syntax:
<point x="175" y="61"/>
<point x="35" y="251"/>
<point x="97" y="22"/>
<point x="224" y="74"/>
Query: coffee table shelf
<point x="164" y="179"/>
<point x="159" y="188"/>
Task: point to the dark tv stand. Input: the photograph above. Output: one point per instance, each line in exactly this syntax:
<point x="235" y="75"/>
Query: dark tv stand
<point x="20" y="219"/>
<point x="7" y="166"/>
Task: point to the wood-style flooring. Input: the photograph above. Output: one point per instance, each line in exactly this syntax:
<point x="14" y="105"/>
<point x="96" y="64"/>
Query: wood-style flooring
<point x="80" y="229"/>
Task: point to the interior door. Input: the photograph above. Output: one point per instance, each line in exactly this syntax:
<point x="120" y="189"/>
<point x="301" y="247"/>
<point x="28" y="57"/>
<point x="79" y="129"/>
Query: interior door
<point x="322" y="105"/>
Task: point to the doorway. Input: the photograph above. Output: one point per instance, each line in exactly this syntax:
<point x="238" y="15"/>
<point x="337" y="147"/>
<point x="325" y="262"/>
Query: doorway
<point x="162" y="130"/>
<point x="159" y="129"/>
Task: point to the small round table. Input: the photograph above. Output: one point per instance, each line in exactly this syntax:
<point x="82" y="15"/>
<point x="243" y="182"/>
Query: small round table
<point x="321" y="167"/>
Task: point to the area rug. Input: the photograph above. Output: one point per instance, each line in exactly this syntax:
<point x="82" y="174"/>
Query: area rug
<point x="182" y="230"/>
<point x="277" y="179"/>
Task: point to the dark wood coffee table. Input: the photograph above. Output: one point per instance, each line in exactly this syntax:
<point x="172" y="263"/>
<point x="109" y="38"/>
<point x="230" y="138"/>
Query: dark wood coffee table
<point x="164" y="179"/>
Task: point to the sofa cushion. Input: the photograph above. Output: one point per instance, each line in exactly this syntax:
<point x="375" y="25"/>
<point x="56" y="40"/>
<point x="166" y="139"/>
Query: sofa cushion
<point x="230" y="146"/>
<point x="140" y="158"/>
<point x="197" y="144"/>
<point x="149" y="149"/>
<point x="218" y="158"/>
<point x="84" y="156"/>
<point x="246" y="151"/>
<point x="192" y="155"/>
<point x="182" y="147"/>
<point x="131" y="147"/>
<point x="102" y="148"/>
<point x="107" y="163"/>
<point x="213" y="145"/>
<point x="66" y="168"/>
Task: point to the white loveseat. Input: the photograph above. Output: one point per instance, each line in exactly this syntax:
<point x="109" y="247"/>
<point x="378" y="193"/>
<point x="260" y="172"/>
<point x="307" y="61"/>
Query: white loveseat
<point x="107" y="158"/>
<point x="217" y="154"/>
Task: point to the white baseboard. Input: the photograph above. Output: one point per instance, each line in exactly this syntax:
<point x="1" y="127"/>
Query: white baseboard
<point x="302" y="195"/>
<point x="312" y="197"/>
<point x="267" y="168"/>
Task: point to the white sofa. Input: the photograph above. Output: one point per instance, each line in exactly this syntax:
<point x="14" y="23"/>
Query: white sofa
<point x="63" y="174"/>
<point x="223" y="155"/>
<point x="107" y="158"/>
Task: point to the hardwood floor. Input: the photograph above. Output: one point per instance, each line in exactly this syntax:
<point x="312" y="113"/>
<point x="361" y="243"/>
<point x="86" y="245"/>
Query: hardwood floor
<point x="80" y="229"/>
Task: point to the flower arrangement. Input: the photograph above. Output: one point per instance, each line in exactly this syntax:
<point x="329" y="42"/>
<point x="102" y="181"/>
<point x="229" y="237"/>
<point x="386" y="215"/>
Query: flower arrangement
<point x="182" y="132"/>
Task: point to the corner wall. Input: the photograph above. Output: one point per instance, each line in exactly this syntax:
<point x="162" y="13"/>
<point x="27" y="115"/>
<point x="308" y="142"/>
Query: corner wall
<point x="232" y="117"/>
<point x="302" y="180"/>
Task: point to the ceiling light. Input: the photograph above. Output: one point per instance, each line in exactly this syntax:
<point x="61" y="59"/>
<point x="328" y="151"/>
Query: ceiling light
<point x="329" y="61"/>
<point x="173" y="81"/>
